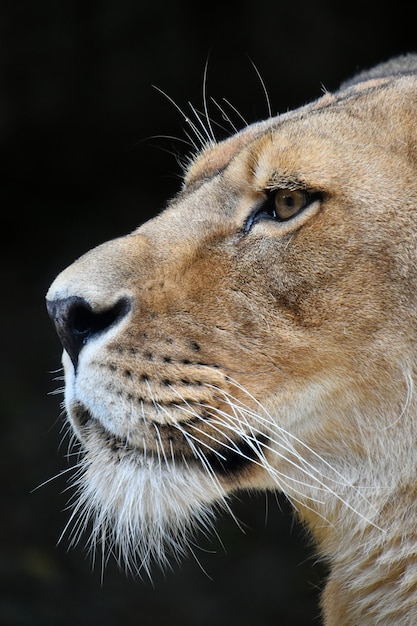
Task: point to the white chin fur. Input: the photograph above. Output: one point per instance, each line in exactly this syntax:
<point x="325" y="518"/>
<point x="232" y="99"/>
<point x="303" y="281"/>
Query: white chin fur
<point x="142" y="510"/>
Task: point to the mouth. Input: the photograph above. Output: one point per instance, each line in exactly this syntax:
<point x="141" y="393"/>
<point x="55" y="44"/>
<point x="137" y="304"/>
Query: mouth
<point x="226" y="457"/>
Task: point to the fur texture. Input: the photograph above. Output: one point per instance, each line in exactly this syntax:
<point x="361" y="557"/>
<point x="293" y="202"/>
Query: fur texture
<point x="260" y="333"/>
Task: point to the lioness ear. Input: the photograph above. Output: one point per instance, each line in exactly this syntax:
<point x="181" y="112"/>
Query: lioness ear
<point x="397" y="66"/>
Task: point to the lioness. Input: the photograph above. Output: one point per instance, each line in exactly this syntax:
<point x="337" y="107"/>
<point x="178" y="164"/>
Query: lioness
<point x="260" y="333"/>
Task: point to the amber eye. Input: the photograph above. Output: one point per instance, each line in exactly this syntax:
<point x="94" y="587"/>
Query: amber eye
<point x="281" y="205"/>
<point x="288" y="203"/>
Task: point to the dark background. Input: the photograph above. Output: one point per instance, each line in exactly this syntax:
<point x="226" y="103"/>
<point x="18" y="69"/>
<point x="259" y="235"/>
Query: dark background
<point x="82" y="159"/>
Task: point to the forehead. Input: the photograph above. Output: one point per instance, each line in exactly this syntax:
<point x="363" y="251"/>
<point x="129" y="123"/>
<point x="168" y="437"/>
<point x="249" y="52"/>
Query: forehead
<point x="316" y="133"/>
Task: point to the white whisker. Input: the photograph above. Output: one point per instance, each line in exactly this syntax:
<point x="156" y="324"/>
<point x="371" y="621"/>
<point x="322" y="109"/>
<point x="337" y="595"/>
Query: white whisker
<point x="225" y="116"/>
<point x="234" y="109"/>
<point x="212" y="138"/>
<point x="186" y="118"/>
<point x="206" y="137"/>
<point x="49" y="480"/>
<point x="268" y="102"/>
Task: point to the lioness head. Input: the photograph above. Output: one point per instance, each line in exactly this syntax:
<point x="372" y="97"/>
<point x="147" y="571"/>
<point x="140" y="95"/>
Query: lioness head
<point x="259" y="333"/>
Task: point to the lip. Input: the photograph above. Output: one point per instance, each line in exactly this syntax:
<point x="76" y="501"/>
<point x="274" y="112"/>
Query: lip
<point x="227" y="462"/>
<point x="86" y="426"/>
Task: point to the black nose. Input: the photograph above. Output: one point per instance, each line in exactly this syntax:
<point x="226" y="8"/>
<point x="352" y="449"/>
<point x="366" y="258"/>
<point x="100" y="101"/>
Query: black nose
<point x="76" y="322"/>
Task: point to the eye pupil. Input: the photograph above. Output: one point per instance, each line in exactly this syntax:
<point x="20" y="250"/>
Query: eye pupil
<point x="289" y="202"/>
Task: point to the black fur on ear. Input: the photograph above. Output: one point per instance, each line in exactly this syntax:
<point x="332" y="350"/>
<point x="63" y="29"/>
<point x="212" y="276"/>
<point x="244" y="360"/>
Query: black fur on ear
<point x="397" y="66"/>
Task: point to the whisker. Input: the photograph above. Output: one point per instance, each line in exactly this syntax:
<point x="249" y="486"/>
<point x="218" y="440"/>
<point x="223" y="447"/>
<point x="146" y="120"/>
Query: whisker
<point x="206" y="136"/>
<point x="303" y="463"/>
<point x="268" y="101"/>
<point x="210" y="133"/>
<point x="234" y="109"/>
<point x="49" y="480"/>
<point x="269" y="422"/>
<point x="225" y="117"/>
<point x="186" y="118"/>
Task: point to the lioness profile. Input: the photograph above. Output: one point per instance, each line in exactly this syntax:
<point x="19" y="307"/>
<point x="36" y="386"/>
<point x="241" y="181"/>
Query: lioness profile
<point x="260" y="333"/>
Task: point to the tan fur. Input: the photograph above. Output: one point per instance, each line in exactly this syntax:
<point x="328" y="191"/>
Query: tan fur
<point x="297" y="338"/>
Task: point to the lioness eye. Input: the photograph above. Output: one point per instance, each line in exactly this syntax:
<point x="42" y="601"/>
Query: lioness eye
<point x="289" y="203"/>
<point x="281" y="205"/>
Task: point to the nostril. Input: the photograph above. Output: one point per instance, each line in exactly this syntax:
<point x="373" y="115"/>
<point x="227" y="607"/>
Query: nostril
<point x="85" y="322"/>
<point x="76" y="321"/>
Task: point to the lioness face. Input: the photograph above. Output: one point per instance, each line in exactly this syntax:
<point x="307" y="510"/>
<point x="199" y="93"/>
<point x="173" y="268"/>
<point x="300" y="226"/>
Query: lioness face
<point x="252" y="335"/>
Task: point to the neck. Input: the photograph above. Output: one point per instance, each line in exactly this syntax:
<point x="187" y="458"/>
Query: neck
<point x="376" y="584"/>
<point x="369" y="535"/>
